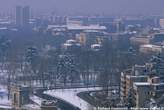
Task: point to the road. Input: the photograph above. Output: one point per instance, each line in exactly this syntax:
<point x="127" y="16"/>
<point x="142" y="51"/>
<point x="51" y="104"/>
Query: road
<point x="70" y="96"/>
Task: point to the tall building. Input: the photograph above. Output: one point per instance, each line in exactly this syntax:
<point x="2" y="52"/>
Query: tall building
<point x="18" y="15"/>
<point x="145" y="83"/>
<point x="26" y="16"/>
<point x="149" y="94"/>
<point x="22" y="16"/>
<point x="128" y="77"/>
<point x="161" y="23"/>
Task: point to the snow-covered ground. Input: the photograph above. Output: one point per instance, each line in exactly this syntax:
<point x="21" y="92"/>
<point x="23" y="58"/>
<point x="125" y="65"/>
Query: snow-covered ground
<point x="70" y="96"/>
<point x="4" y="101"/>
<point x="32" y="107"/>
<point x="36" y="100"/>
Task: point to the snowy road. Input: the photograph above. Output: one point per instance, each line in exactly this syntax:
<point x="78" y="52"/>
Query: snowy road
<point x="70" y="96"/>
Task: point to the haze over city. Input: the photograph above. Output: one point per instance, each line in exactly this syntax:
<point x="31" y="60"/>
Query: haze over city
<point x="81" y="54"/>
<point x="115" y="7"/>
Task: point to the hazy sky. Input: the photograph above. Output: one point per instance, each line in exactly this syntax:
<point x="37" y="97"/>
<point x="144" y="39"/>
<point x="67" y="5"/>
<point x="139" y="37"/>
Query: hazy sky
<point x="89" y="6"/>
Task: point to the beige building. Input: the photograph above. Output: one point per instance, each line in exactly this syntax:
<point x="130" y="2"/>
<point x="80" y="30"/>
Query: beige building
<point x="141" y="93"/>
<point x="144" y="91"/>
<point x="161" y="22"/>
<point x="140" y="40"/>
<point x="128" y="77"/>
<point x="149" y="48"/>
<point x="81" y="38"/>
<point x="20" y="96"/>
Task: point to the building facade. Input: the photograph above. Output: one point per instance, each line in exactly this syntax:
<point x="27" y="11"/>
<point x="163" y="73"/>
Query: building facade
<point x="22" y="16"/>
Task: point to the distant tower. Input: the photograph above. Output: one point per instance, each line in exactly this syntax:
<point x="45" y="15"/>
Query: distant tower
<point x="18" y="15"/>
<point x="120" y="25"/>
<point x="26" y="16"/>
<point x="22" y="16"/>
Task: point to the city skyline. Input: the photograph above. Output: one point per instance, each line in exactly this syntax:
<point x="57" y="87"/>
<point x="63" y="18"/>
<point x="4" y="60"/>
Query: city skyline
<point x="85" y="7"/>
<point x="81" y="54"/>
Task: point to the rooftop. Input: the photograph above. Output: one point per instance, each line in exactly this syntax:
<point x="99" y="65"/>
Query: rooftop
<point x="78" y="27"/>
<point x="142" y="84"/>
